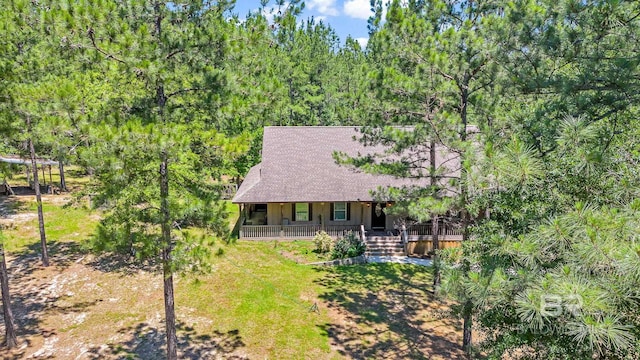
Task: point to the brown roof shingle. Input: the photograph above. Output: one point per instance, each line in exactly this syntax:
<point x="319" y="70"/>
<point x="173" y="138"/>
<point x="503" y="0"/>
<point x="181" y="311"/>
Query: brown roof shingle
<point x="298" y="166"/>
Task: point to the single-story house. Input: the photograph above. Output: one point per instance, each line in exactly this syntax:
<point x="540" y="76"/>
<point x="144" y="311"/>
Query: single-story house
<point x="299" y="188"/>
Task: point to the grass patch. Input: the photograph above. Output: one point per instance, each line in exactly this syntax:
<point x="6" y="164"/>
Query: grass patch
<point x="301" y="251"/>
<point x="62" y="223"/>
<point x="266" y="297"/>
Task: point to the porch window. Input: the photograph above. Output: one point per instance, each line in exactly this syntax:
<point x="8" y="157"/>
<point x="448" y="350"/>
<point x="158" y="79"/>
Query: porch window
<point x="340" y="211"/>
<point x="301" y="212"/>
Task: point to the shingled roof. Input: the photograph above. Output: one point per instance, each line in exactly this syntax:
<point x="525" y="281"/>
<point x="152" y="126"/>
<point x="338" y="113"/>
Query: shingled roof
<point x="298" y="166"/>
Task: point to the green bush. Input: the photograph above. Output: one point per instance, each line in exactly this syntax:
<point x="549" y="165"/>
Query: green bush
<point x="324" y="242"/>
<point x="348" y="246"/>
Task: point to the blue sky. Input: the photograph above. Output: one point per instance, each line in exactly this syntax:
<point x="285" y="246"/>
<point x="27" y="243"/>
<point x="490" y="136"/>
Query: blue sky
<point x="347" y="17"/>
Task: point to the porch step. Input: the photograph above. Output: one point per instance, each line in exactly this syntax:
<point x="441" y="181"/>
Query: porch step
<point x="381" y="238"/>
<point x="384" y="246"/>
<point x="385" y="253"/>
<point x="384" y="240"/>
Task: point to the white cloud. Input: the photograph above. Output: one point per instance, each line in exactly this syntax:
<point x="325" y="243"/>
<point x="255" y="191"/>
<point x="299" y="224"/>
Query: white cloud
<point x="363" y="41"/>
<point x="324" y="7"/>
<point x="359" y="9"/>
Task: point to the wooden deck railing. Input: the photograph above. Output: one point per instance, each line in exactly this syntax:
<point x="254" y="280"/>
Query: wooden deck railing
<point x="425" y="229"/>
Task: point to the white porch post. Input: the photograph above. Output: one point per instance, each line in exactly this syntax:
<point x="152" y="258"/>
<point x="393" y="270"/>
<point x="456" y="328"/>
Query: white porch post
<point x="322" y="227"/>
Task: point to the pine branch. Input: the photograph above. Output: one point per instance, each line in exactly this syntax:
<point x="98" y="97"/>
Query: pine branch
<point x="92" y="36"/>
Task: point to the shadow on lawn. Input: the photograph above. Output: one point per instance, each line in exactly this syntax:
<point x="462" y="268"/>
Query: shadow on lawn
<point x="146" y="342"/>
<point x="40" y="294"/>
<point x="9" y="206"/>
<point x="388" y="313"/>
<point x="35" y="298"/>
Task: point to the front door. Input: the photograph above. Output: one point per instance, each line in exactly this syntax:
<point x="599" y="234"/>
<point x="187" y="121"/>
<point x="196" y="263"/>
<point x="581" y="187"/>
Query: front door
<point x="378" y="217"/>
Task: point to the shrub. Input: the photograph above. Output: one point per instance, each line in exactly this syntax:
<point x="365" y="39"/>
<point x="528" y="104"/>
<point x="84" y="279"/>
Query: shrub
<point x="348" y="246"/>
<point x="324" y="242"/>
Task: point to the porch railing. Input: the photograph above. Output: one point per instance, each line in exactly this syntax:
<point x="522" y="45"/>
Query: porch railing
<point x="414" y="232"/>
<point x="300" y="231"/>
<point x="260" y="231"/>
<point x="292" y="231"/>
<point x="341" y="230"/>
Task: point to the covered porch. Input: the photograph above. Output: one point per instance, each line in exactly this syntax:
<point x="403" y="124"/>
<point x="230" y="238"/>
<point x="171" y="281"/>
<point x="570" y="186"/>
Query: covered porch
<point x="303" y="220"/>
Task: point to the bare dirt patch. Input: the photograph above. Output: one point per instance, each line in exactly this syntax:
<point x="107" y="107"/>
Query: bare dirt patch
<point x="83" y="307"/>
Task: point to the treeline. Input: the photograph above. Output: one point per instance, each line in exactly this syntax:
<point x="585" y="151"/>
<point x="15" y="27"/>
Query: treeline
<point x="158" y="100"/>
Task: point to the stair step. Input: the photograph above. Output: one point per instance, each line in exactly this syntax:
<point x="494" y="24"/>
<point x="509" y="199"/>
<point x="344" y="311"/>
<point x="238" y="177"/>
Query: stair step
<point x="385" y="254"/>
<point x="385" y="250"/>
<point x="374" y="238"/>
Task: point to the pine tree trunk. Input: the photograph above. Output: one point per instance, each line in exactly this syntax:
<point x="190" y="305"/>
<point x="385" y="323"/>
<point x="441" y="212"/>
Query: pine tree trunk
<point x="10" y="331"/>
<point x="36" y="185"/>
<point x="467" y="332"/>
<point x="435" y="240"/>
<point x="63" y="180"/>
<point x="467" y="316"/>
<point x="169" y="307"/>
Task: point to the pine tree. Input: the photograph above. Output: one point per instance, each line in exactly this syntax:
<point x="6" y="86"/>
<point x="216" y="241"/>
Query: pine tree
<point x="435" y="71"/>
<point x="152" y="154"/>
<point x="9" y="323"/>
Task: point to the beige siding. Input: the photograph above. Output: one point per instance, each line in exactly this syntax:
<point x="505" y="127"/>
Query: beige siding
<point x="360" y="214"/>
<point x="276" y="212"/>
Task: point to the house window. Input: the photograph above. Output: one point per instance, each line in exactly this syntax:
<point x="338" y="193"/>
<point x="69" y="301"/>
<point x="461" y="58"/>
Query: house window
<point x="302" y="212"/>
<point x="340" y="211"/>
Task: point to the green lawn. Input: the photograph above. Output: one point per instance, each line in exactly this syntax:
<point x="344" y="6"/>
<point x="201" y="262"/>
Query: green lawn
<point x="266" y="297"/>
<point x="259" y="301"/>
<point x="62" y="223"/>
